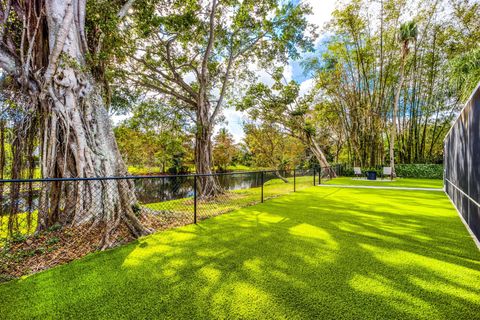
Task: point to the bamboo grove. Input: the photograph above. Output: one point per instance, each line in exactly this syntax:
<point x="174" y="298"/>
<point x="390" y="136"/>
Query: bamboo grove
<point x="369" y="67"/>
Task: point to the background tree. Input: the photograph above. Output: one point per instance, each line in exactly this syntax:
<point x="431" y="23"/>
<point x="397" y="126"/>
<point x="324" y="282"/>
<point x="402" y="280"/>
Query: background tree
<point x="281" y="106"/>
<point x="224" y="149"/>
<point x="357" y="76"/>
<point x="271" y="148"/>
<point x="155" y="136"/>
<point x="463" y="46"/>
<point x="195" y="50"/>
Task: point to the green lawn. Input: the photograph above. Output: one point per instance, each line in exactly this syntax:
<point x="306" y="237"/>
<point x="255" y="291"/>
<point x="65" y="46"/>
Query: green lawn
<point x="230" y="200"/>
<point x="399" y="182"/>
<point x="325" y="253"/>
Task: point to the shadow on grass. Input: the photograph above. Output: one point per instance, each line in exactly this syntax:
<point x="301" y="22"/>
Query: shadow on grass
<point x="320" y="253"/>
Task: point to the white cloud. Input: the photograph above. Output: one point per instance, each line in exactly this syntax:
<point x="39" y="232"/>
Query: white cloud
<point x="306" y="86"/>
<point x="264" y="77"/>
<point x="190" y="77"/>
<point x="322" y="11"/>
<point x="116" y="119"/>
<point x="288" y="72"/>
<point x="234" y="121"/>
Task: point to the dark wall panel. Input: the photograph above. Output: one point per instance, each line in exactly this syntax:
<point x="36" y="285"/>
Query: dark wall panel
<point x="462" y="163"/>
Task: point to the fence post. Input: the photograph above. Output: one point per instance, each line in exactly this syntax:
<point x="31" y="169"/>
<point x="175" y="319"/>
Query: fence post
<point x="294" y="181"/>
<point x="262" y="184"/>
<point x="195" y="199"/>
<point x="314" y="174"/>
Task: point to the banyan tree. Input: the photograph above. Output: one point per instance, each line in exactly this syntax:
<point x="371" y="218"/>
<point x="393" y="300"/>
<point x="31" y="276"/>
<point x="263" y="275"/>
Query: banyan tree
<point x="50" y="77"/>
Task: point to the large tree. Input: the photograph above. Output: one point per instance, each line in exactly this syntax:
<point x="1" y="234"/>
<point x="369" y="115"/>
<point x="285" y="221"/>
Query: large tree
<point x="195" y="50"/>
<point x="46" y="54"/>
<point x="282" y="106"/>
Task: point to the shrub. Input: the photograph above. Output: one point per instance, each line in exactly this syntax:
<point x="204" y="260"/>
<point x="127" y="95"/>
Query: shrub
<point x="425" y="171"/>
<point x="55" y="227"/>
<point x="52" y="241"/>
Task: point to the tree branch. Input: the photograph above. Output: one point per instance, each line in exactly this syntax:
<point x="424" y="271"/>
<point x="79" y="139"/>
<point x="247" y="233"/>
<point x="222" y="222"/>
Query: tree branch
<point x="251" y="45"/>
<point x="124" y="10"/>
<point x="175" y="80"/>
<point x="224" y="88"/>
<point x="6" y="14"/>
<point x="178" y="78"/>
<point x="211" y="40"/>
<point x="162" y="87"/>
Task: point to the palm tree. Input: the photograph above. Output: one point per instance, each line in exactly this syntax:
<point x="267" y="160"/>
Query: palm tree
<point x="407" y="33"/>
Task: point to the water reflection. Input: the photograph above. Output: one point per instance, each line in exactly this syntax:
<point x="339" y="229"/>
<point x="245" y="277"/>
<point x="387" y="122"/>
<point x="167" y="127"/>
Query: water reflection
<point x="171" y="188"/>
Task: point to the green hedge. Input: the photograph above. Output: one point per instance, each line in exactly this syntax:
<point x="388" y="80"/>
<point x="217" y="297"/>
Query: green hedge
<point x="420" y="171"/>
<point x="424" y="171"/>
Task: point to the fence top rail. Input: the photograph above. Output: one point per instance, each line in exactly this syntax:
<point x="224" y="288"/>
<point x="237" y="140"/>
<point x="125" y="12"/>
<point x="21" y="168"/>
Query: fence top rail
<point x="162" y="176"/>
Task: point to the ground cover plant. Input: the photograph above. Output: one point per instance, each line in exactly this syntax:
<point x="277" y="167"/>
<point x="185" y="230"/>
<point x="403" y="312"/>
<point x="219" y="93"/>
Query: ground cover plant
<point x="319" y="253"/>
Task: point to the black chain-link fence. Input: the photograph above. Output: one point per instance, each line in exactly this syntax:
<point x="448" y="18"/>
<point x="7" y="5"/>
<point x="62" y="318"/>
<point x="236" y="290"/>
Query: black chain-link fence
<point x="160" y="201"/>
<point x="462" y="163"/>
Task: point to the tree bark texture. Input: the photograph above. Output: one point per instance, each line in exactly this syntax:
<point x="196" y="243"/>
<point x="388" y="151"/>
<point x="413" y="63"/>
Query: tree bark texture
<point x="208" y="184"/>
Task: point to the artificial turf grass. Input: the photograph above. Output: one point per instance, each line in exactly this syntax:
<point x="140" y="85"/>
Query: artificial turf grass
<point x="320" y="253"/>
<point x="398" y="182"/>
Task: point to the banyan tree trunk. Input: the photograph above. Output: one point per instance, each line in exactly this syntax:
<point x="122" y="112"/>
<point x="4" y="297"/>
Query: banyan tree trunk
<point x="76" y="135"/>
<point x="208" y="184"/>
